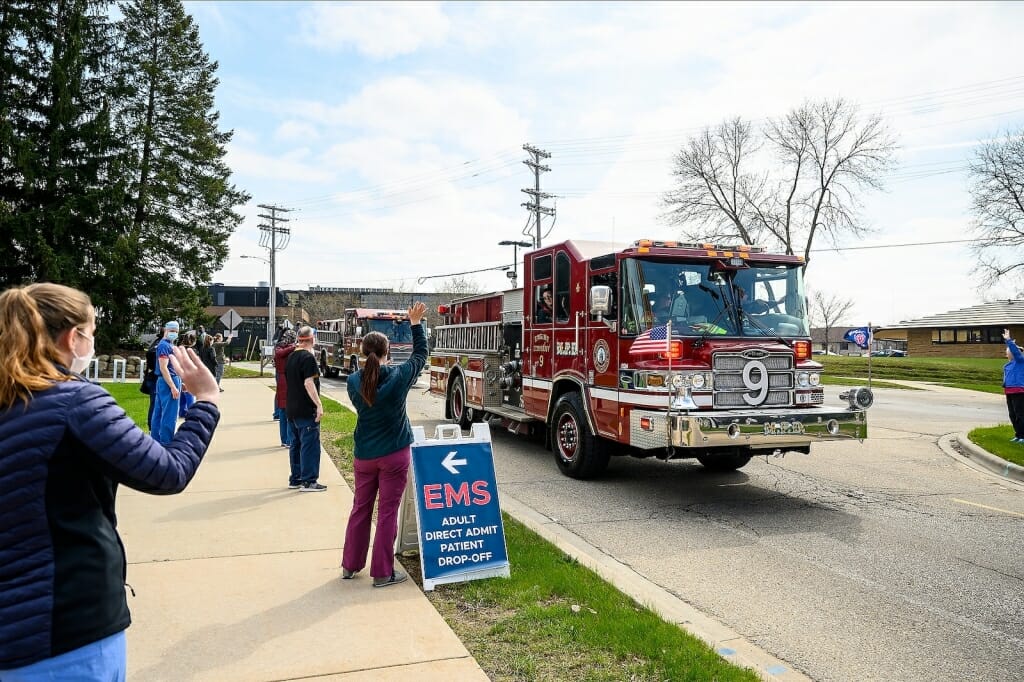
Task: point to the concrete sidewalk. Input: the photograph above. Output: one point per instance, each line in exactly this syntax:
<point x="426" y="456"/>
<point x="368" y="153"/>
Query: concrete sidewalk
<point x="237" y="578"/>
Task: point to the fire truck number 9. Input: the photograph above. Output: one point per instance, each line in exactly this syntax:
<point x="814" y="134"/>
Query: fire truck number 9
<point x="755" y="378"/>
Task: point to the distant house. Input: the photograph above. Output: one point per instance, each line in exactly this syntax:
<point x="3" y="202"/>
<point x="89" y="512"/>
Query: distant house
<point x="975" y="332"/>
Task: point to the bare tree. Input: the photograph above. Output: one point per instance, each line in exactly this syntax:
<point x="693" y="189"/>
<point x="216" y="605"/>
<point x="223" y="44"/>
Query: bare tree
<point x="327" y="305"/>
<point x="459" y="285"/>
<point x="814" y="163"/>
<point x="997" y="190"/>
<point x="827" y="311"/>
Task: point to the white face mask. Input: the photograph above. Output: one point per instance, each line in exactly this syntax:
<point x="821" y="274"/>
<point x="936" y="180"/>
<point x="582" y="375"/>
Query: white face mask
<point x="80" y="362"/>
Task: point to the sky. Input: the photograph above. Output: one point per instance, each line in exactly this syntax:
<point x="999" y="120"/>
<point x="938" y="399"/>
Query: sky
<point x="394" y="131"/>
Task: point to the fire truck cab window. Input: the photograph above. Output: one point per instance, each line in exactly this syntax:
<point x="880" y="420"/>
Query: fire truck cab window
<point x="543" y="296"/>
<point x="543" y="305"/>
<point x="757" y="300"/>
<point x="562" y="283"/>
<point x="542" y="267"/>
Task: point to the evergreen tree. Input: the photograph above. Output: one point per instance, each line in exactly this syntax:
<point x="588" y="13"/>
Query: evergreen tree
<point x="181" y="201"/>
<point x="57" y="155"/>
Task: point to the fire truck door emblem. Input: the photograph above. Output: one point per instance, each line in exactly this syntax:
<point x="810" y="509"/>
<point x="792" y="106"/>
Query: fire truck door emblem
<point x="602" y="355"/>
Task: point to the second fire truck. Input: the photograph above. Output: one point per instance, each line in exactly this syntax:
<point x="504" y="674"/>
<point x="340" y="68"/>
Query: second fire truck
<point x="659" y="348"/>
<point x="338" y="341"/>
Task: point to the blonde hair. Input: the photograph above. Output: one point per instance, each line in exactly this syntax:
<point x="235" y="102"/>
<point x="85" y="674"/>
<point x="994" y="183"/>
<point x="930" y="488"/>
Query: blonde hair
<point x="32" y="318"/>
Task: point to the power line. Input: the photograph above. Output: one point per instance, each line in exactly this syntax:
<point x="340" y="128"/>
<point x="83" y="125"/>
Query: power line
<point x="900" y="246"/>
<point x="594" y="147"/>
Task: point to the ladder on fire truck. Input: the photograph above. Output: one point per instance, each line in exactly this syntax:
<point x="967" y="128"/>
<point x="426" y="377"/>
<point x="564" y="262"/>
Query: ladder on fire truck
<point x="481" y="337"/>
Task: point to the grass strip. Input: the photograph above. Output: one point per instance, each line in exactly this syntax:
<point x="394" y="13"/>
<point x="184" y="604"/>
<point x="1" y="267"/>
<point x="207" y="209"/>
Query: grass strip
<point x="862" y="381"/>
<point x="232" y="372"/>
<point x="970" y="373"/>
<point x="133" y="401"/>
<point x="553" y="619"/>
<point x="996" y="439"/>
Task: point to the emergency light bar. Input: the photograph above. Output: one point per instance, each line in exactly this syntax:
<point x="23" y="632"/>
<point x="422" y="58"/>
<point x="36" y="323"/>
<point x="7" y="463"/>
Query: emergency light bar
<point x="651" y="243"/>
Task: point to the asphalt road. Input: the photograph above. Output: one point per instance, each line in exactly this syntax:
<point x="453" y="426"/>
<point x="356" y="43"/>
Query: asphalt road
<point x="881" y="560"/>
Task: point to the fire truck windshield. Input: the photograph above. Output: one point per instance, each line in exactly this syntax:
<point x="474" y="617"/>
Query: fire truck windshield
<point x="397" y="331"/>
<point x="700" y="299"/>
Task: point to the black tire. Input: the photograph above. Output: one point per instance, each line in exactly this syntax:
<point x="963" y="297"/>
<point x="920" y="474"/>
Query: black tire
<point x="461" y="413"/>
<point x="578" y="452"/>
<point x="729" y="460"/>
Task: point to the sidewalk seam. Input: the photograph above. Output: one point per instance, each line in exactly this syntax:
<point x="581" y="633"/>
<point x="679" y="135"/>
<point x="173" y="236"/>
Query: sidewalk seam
<point x="397" y="666"/>
<point x="232" y="556"/>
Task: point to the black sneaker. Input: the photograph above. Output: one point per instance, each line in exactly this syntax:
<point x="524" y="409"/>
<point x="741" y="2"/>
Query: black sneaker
<point x="294" y="486"/>
<point x="395" y="578"/>
<point x="313" y="487"/>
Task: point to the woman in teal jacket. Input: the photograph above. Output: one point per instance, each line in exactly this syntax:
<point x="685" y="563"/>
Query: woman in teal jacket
<point x="381" y="458"/>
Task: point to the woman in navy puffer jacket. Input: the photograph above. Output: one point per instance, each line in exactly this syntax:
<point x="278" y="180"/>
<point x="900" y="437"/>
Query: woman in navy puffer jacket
<point x="65" y="445"/>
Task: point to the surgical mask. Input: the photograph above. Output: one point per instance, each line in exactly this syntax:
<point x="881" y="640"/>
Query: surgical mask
<point x="171" y="336"/>
<point x="81" y="362"/>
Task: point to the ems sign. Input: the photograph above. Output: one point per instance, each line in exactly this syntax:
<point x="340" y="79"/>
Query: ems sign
<point x="461" y="536"/>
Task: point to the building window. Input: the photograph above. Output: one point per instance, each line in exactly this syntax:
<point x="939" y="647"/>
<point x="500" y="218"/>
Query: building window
<point x="968" y="335"/>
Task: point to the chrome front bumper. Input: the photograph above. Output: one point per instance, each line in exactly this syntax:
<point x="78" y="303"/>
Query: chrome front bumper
<point x="785" y="428"/>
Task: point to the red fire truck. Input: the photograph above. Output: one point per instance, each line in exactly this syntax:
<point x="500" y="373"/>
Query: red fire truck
<point x="660" y="348"/>
<point x="338" y="341"/>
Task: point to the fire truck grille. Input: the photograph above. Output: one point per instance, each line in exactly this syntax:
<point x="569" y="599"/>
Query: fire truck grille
<point x="735" y="362"/>
<point x="734" y="382"/>
<point x="733" y="385"/>
<point x="773" y="399"/>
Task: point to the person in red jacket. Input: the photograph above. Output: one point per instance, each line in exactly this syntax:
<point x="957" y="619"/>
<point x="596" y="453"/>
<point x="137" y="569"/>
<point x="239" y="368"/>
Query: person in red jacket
<point x="285" y="346"/>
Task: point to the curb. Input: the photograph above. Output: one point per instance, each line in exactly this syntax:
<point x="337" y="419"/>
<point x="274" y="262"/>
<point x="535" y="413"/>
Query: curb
<point x="727" y="643"/>
<point x="985" y="459"/>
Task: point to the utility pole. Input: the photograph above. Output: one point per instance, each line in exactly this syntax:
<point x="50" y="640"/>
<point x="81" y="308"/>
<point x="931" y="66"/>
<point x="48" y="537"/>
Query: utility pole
<point x="274" y="239"/>
<point x="536" y="196"/>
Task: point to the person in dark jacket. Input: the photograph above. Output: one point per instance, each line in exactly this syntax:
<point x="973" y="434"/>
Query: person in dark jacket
<point x="284" y="348"/>
<point x="1013" y="386"/>
<point x="151" y="376"/>
<point x="65" y="446"/>
<point x="381" y="457"/>
<point x="304" y="411"/>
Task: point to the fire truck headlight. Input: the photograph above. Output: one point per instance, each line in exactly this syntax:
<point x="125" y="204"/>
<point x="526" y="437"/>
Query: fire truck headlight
<point x="698" y="381"/>
<point x="815" y="378"/>
<point x="803" y="379"/>
<point x="678" y="381"/>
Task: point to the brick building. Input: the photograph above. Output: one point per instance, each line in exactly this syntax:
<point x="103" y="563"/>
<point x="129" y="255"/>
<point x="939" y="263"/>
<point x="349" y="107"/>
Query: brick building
<point x="974" y="332"/>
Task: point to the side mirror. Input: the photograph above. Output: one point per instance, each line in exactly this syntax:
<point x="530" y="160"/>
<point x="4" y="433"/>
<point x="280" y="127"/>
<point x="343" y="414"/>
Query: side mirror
<point x="600" y="300"/>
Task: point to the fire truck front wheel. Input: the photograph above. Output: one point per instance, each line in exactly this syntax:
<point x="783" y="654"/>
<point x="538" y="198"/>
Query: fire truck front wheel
<point x="578" y="453"/>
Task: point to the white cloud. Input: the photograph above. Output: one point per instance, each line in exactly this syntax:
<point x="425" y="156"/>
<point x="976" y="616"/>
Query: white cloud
<point x="301" y="131"/>
<point x="614" y="89"/>
<point x="379" y="30"/>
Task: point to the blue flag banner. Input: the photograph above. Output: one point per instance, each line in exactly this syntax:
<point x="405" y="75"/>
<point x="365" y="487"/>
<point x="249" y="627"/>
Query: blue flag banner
<point x="860" y="336"/>
<point x="461" y="536"/>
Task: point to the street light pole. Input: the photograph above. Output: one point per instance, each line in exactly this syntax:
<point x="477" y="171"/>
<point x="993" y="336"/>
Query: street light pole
<point x="515" y="256"/>
<point x="270" y="292"/>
